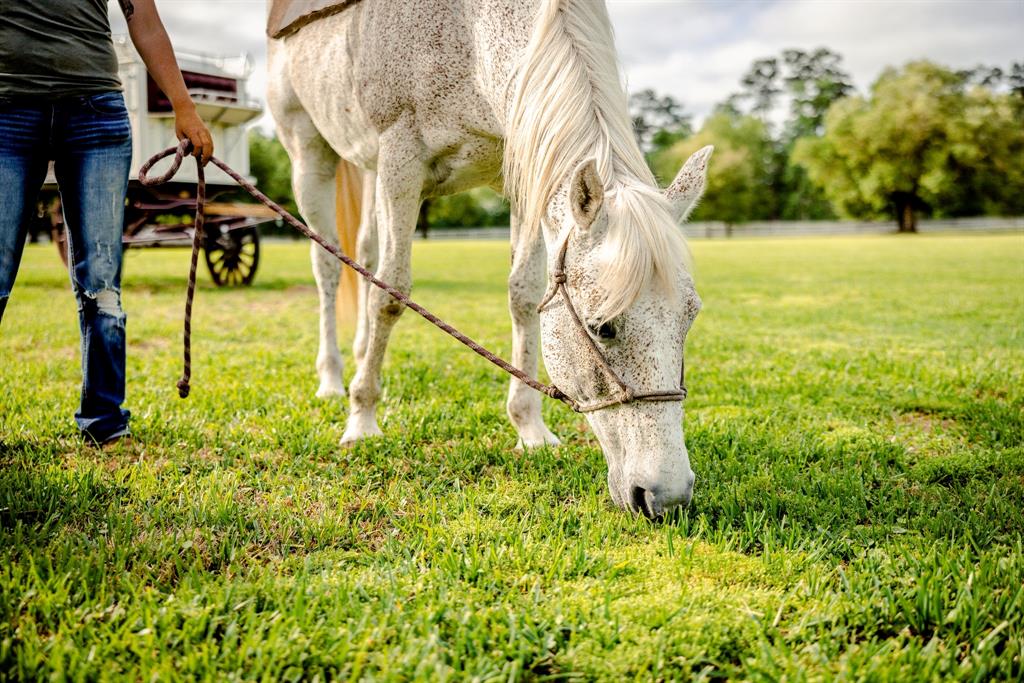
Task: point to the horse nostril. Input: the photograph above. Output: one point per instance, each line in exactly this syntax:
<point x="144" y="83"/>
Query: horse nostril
<point x="645" y="501"/>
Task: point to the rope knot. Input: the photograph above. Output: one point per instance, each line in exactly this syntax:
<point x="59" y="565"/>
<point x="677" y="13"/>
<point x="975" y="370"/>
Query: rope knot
<point x="554" y="392"/>
<point x="183" y="388"/>
<point x="558" y="277"/>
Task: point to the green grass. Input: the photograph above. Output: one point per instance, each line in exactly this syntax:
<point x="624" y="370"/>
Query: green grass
<point x="856" y="423"/>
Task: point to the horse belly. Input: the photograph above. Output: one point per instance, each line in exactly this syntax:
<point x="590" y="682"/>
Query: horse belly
<point x="473" y="161"/>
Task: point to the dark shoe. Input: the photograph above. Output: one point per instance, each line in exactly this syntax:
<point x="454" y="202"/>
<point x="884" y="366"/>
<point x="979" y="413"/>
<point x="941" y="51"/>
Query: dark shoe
<point x="122" y="435"/>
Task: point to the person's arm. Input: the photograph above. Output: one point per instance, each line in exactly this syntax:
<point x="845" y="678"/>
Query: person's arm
<point x="150" y="39"/>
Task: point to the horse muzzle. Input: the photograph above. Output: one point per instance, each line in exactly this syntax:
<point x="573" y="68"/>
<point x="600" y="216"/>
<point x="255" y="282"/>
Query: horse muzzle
<point x="655" y="501"/>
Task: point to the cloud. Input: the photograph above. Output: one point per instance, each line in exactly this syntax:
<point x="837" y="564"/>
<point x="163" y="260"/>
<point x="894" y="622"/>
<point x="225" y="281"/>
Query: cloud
<point x="697" y="51"/>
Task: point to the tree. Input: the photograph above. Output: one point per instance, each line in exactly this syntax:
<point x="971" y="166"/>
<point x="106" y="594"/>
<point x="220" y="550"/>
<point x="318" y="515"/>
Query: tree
<point x="270" y="165"/>
<point x="761" y="86"/>
<point x="987" y="76"/>
<point x="738" y="186"/>
<point x="814" y="80"/>
<point x="1015" y="80"/>
<point x="475" y="208"/>
<point x="918" y="142"/>
<point x="730" y="106"/>
<point x="987" y="156"/>
<point x="658" y="121"/>
<point x="810" y="82"/>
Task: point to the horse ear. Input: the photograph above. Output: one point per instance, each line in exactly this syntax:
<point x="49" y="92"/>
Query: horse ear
<point x="586" y="193"/>
<point x="687" y="188"/>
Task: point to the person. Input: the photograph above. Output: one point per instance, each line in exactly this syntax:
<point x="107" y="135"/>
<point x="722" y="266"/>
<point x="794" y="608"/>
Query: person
<point x="61" y="101"/>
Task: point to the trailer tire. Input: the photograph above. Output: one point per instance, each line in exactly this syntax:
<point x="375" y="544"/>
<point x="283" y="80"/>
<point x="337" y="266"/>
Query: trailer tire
<point x="232" y="256"/>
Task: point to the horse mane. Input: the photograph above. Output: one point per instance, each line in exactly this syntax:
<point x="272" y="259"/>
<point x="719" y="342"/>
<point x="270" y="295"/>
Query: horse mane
<point x="569" y="104"/>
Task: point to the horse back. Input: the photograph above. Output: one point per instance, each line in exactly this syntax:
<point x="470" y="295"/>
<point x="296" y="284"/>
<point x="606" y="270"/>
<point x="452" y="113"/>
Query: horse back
<point x="432" y="72"/>
<point x="288" y="16"/>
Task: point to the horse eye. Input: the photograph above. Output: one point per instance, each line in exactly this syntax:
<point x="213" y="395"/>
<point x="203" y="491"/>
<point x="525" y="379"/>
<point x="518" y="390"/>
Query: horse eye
<point x="605" y="331"/>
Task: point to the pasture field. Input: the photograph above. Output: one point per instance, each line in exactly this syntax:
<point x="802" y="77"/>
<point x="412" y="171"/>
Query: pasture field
<point x="856" y="423"/>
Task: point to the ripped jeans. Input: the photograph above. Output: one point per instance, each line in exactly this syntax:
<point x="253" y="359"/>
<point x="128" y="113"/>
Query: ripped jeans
<point x="89" y="140"/>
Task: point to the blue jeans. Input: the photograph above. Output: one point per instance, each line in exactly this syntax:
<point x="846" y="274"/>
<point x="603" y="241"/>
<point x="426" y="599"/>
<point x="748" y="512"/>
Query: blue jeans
<point x="89" y="140"/>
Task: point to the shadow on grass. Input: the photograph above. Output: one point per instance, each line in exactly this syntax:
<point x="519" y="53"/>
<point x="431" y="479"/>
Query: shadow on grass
<point x="36" y="503"/>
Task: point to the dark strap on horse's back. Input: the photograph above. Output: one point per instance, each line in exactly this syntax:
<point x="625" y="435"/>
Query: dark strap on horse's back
<point x="288" y="16"/>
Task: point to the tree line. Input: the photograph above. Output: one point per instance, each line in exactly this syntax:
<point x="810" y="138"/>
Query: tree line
<point x="797" y="142"/>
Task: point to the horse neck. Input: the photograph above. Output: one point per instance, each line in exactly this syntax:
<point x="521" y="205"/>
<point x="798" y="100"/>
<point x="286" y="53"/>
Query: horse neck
<point x="568" y="104"/>
<point x="500" y="31"/>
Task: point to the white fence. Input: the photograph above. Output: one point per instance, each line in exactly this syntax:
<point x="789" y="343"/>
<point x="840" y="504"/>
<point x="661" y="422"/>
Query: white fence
<point x="719" y="230"/>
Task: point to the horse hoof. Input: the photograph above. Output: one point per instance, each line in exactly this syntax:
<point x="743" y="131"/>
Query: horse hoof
<point x="330" y="391"/>
<point x="538" y="439"/>
<point x="358" y="429"/>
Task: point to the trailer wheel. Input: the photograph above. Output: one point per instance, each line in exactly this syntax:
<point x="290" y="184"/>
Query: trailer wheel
<point x="232" y="256"/>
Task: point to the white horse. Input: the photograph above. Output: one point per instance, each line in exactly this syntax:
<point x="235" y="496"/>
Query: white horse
<point x="432" y="97"/>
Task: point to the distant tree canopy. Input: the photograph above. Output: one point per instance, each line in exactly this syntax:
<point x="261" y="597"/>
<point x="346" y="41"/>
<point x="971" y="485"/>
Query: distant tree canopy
<point x="479" y="207"/>
<point x="658" y="121"/>
<point x="752" y="175"/>
<point x="924" y="139"/>
<point x="270" y="166"/>
<point x="809" y="81"/>
<point x="738" y="187"/>
<point x="814" y="81"/>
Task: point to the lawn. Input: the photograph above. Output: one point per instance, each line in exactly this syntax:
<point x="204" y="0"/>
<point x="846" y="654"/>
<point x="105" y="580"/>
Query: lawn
<point x="856" y="423"/>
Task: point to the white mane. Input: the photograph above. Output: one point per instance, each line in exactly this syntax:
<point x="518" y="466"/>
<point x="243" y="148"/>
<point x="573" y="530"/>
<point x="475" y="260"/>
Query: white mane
<point x="569" y="104"/>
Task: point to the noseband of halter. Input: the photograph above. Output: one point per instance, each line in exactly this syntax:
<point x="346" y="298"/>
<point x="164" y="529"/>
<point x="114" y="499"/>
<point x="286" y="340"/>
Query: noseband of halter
<point x="625" y="393"/>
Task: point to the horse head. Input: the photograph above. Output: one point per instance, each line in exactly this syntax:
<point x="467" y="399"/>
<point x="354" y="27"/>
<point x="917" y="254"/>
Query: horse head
<point x="620" y="304"/>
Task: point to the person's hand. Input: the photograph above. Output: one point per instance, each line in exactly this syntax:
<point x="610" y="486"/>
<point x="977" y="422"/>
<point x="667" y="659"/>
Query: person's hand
<point x="187" y="124"/>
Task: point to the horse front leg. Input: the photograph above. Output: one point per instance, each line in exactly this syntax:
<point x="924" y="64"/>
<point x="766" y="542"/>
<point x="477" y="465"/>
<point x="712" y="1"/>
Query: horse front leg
<point x="313" y="179"/>
<point x="525" y="290"/>
<point x="366" y="253"/>
<point x="397" y="202"/>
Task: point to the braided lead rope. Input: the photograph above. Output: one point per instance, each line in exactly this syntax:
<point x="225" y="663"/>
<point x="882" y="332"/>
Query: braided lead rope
<point x="184" y="386"/>
<point x="179" y="153"/>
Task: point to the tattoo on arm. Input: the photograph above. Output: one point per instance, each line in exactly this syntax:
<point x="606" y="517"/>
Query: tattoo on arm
<point x="128" y="8"/>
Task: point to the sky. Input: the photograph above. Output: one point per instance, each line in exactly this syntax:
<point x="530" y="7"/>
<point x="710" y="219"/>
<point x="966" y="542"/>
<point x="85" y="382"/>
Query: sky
<point x="697" y="50"/>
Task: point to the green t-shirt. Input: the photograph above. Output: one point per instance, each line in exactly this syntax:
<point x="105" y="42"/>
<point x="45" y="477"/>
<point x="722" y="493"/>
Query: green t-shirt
<point x="56" y="48"/>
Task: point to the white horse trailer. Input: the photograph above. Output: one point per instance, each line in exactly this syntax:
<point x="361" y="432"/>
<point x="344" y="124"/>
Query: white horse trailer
<point x="163" y="216"/>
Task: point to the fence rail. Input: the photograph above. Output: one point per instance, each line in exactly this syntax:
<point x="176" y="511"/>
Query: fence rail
<point x="720" y="230"/>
